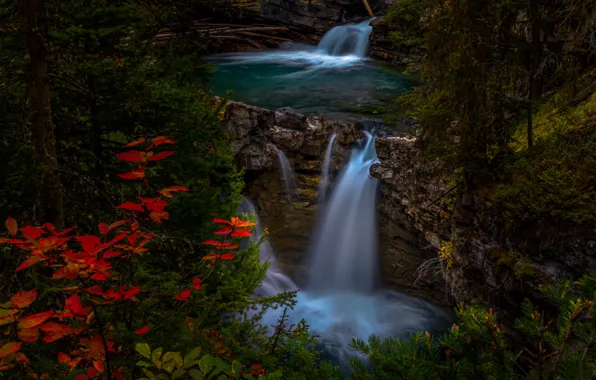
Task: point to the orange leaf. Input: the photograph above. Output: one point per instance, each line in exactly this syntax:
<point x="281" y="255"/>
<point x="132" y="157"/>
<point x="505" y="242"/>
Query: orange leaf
<point x="159" y="140"/>
<point x="22" y="358"/>
<point x="131" y="206"/>
<point x="157" y="217"/>
<point x="12" y="226"/>
<point x="143" y="330"/>
<point x="35" y="319"/>
<point x="24" y="298"/>
<point x="161" y="155"/>
<point x="133" y="175"/>
<point x="98" y="365"/>
<point x="135" y="143"/>
<point x="167" y="192"/>
<point x="55" y="331"/>
<point x="29" y="335"/>
<point x="10" y="348"/>
<point x="71" y="270"/>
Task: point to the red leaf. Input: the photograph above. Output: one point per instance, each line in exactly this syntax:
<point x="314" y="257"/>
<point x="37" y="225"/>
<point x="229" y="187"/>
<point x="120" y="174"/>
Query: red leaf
<point x="22" y="358"/>
<point x="35" y="319"/>
<point x="184" y="295"/>
<point x="223" y="231"/>
<point x="73" y="303"/>
<point x="241" y="233"/>
<point x="104" y="228"/>
<point x="24" y="298"/>
<point x="154" y="204"/>
<point x="10" y="348"/>
<point x="29" y="335"/>
<point x="159" y="140"/>
<point x="117" y="375"/>
<point x="111" y="254"/>
<point x="131" y="206"/>
<point x="31" y="232"/>
<point x="135" y="143"/>
<point x="63" y="358"/>
<point x="12" y="226"/>
<point x="237" y="222"/>
<point x="54" y="331"/>
<point x="226" y="256"/>
<point x="222" y="221"/>
<point x="132" y="292"/>
<point x="118" y="224"/>
<point x="143" y="330"/>
<point x="88" y="242"/>
<point x="161" y="155"/>
<point x="139" y="173"/>
<point x="226" y="245"/>
<point x="30" y="261"/>
<point x="131" y="156"/>
<point x="196" y="283"/>
<point x="95" y="290"/>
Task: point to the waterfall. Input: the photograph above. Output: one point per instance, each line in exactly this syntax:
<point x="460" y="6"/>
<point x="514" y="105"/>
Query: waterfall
<point x="287" y="174"/>
<point x="324" y="184"/>
<point x="344" y="254"/>
<point x="346" y="40"/>
<point x="340" y="301"/>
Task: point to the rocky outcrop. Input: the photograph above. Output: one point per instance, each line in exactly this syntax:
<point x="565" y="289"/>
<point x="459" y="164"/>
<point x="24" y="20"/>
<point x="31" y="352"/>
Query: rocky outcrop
<point x="481" y="258"/>
<point x="404" y="248"/>
<point x="316" y="16"/>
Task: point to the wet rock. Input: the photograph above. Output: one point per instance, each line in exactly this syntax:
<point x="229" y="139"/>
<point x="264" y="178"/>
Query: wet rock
<point x="289" y="118"/>
<point x="286" y="139"/>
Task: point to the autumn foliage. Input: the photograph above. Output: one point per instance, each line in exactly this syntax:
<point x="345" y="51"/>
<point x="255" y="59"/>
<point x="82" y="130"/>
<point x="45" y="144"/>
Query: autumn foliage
<point x="91" y="271"/>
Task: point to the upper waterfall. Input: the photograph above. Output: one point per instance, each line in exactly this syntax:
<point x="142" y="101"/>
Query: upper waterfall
<point x="346" y="40"/>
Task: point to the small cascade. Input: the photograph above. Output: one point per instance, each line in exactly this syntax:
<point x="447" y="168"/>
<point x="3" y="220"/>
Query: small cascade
<point x="324" y="184"/>
<point x="276" y="281"/>
<point x="287" y="174"/>
<point x="346" y="40"/>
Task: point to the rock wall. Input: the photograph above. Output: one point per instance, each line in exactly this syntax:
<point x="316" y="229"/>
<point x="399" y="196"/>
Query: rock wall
<point x="404" y="248"/>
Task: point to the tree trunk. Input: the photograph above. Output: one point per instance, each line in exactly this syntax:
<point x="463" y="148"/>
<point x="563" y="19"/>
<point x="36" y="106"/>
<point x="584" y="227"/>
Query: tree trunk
<point x="34" y="30"/>
<point x="534" y="83"/>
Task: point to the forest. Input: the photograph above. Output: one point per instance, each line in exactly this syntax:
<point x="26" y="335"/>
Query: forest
<point x="290" y="189"/>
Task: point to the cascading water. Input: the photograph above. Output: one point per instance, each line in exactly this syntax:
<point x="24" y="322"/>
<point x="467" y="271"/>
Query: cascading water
<point x="346" y="40"/>
<point x="324" y="184"/>
<point x="340" y="301"/>
<point x="287" y="174"/>
<point x="344" y="253"/>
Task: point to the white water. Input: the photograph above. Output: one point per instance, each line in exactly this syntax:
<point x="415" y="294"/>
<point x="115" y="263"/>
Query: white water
<point x="324" y="184"/>
<point x="340" y="301"/>
<point x="287" y="174"/>
<point x="342" y="46"/>
<point x="346" y="40"/>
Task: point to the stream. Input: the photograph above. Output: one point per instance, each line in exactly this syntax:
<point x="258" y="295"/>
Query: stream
<point x="340" y="297"/>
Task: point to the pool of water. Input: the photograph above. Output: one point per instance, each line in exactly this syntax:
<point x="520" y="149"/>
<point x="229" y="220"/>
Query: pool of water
<point x="309" y="81"/>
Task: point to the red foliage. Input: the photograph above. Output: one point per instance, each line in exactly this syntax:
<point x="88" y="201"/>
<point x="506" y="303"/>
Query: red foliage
<point x="86" y="261"/>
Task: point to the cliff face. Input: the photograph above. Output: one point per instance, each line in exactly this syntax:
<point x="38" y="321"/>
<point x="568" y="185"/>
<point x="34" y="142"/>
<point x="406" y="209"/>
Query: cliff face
<point x="403" y="245"/>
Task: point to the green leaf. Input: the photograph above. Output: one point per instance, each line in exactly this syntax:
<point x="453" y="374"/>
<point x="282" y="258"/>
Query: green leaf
<point x="191" y="357"/>
<point x="206" y="363"/>
<point x="196" y="374"/>
<point x="156" y="356"/>
<point x="163" y="376"/>
<point x="236" y="369"/>
<point x="168" y="366"/>
<point x="149" y="374"/>
<point x="143" y="349"/>
<point x="175" y="357"/>
<point x="144" y="364"/>
<point x="214" y="373"/>
<point x="180" y="372"/>
<point x="223" y="366"/>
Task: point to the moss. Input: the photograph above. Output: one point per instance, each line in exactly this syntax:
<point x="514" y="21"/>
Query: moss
<point x="557" y="177"/>
<point x="514" y="261"/>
